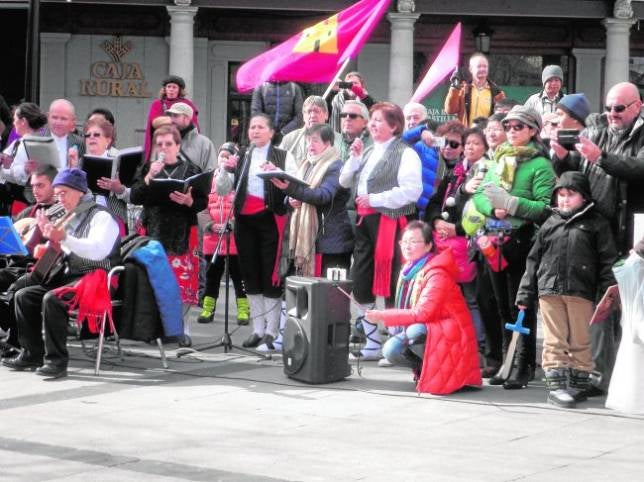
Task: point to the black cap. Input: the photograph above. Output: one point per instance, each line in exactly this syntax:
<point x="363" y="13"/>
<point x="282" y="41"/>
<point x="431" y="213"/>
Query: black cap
<point x="174" y="79"/>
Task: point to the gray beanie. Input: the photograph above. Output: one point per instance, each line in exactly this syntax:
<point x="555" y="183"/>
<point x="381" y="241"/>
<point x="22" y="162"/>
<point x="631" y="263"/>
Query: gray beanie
<point x="550" y="71"/>
<point x="527" y="115"/>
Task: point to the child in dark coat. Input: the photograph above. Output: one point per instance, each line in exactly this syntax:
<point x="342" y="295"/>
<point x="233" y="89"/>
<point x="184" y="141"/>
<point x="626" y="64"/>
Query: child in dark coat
<point x="568" y="268"/>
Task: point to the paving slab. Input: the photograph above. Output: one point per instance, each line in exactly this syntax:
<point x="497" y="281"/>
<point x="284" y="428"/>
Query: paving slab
<point x="234" y="417"/>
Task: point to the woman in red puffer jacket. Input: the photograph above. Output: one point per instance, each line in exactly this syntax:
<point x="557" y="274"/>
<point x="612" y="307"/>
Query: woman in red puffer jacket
<point x="219" y="208"/>
<point x="438" y="339"/>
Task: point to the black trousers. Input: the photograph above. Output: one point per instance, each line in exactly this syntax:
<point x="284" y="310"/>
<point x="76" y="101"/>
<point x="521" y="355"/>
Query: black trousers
<point x="36" y="308"/>
<point x="489" y="315"/>
<point x="216" y="271"/>
<point x="341" y="260"/>
<point x="505" y="285"/>
<point x="257" y="238"/>
<point x="8" y="277"/>
<point x="362" y="271"/>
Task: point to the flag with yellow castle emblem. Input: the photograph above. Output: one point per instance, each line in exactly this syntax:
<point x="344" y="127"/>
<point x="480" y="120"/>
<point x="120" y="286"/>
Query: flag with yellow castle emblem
<point x="316" y="53"/>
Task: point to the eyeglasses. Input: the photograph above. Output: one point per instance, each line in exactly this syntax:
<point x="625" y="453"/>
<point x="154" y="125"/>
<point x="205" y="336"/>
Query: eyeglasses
<point x="493" y="129"/>
<point x="618" y="108"/>
<point x="514" y="127"/>
<point x="93" y="134"/>
<point x="452" y="144"/>
<point x="349" y="115"/>
<point x="412" y="242"/>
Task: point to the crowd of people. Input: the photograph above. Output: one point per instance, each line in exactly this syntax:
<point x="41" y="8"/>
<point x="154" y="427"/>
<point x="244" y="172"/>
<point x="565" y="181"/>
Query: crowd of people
<point x="504" y="212"/>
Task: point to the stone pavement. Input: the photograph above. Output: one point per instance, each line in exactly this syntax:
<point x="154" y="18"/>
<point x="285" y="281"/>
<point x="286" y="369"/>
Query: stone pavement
<point x="232" y="417"/>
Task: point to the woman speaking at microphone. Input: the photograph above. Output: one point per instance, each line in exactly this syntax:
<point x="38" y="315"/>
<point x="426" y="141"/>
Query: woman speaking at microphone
<point x="260" y="219"/>
<point x="169" y="222"/>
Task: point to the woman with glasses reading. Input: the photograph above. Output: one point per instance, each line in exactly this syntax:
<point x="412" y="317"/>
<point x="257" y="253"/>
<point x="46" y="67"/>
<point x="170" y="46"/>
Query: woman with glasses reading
<point x="515" y="196"/>
<point x="99" y="138"/>
<point x="388" y="182"/>
<point x="438" y="341"/>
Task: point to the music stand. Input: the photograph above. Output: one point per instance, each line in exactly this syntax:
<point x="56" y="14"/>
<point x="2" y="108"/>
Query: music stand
<point x="226" y="340"/>
<point x="10" y="242"/>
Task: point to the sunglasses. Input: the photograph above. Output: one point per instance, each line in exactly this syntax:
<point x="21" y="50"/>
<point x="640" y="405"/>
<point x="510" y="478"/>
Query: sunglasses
<point x="514" y="127"/>
<point x="349" y="115"/>
<point x="93" y="134"/>
<point x="618" y="108"/>
<point x="452" y="144"/>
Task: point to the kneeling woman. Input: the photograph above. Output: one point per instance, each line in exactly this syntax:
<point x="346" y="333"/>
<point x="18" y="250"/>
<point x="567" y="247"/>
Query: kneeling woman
<point x="439" y="341"/>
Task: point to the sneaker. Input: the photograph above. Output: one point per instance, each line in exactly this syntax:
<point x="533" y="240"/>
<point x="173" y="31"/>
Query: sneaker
<point x="366" y="355"/>
<point x="267" y="343"/>
<point x="208" y="312"/>
<point x="561" y="398"/>
<point x="383" y="362"/>
<point x="243" y="311"/>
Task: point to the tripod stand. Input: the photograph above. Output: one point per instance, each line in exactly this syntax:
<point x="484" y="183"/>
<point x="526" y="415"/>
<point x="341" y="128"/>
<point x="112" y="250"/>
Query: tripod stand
<point x="226" y="340"/>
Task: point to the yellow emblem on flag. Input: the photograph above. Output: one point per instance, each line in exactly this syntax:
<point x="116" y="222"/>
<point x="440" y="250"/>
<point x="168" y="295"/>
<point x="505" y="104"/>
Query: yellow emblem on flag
<point x="321" y="37"/>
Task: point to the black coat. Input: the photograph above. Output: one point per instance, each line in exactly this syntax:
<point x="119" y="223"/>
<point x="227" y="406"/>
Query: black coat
<point x="571" y="256"/>
<point x="616" y="178"/>
<point x="335" y="234"/>
<point x="169" y="223"/>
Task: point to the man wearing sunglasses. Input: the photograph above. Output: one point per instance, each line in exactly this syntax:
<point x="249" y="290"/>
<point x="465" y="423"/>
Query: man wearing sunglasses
<point x="353" y="125"/>
<point x="610" y="153"/>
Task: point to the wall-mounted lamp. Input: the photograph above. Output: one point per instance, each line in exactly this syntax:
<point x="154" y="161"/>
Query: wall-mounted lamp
<point x="483" y="37"/>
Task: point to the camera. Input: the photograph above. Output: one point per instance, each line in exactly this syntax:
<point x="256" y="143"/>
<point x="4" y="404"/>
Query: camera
<point x="345" y="85"/>
<point x="567" y="138"/>
<point x="439" y="142"/>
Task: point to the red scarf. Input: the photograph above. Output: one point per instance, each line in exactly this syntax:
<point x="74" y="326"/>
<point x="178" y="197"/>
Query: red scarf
<point x="383" y="255"/>
<point x="280" y="222"/>
<point x="91" y="297"/>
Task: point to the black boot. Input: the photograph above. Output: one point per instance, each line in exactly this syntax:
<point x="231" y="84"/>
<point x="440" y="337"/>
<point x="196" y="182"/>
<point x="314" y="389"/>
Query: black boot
<point x="557" y="384"/>
<point x="416" y="362"/>
<point x="519" y="378"/>
<point x="579" y="384"/>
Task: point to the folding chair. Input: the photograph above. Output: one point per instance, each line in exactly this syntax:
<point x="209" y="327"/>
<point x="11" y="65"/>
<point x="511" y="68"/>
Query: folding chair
<point x="101" y="336"/>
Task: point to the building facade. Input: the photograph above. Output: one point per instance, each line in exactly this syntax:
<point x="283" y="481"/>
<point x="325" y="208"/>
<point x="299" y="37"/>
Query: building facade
<point x="114" y="54"/>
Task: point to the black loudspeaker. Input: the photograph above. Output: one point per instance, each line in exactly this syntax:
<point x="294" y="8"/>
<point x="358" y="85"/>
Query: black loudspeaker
<point x="316" y="336"/>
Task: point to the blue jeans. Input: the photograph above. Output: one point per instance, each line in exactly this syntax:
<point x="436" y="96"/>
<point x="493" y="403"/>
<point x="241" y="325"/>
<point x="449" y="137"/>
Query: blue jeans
<point x="395" y="346"/>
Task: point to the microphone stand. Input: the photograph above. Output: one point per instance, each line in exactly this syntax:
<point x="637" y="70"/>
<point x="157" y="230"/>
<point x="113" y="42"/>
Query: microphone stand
<point x="226" y="340"/>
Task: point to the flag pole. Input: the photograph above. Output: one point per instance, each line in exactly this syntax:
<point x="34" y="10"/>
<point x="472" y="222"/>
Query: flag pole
<point x="324" y="96"/>
<point x="337" y="76"/>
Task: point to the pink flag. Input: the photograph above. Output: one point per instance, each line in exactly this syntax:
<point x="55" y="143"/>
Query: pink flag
<point x="315" y="54"/>
<point x="445" y="62"/>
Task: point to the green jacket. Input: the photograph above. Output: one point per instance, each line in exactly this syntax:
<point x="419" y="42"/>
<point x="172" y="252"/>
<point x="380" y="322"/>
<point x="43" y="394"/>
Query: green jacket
<point x="534" y="181"/>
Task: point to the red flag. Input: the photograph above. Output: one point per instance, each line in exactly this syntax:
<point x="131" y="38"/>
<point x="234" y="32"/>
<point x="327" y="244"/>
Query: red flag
<point x="445" y="62"/>
<point x="315" y="54"/>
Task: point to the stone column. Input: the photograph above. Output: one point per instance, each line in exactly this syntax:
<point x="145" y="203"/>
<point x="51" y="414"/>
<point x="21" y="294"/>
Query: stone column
<point x="401" y="57"/>
<point x="588" y="63"/>
<point x="617" y="50"/>
<point x="182" y="21"/>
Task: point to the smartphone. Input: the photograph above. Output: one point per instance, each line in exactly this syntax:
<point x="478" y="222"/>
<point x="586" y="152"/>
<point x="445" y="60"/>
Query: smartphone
<point x="439" y="142"/>
<point x="345" y="85"/>
<point x="568" y="138"/>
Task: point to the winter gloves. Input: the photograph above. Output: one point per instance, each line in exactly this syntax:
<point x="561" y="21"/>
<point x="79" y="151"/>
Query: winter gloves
<point x="501" y="199"/>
